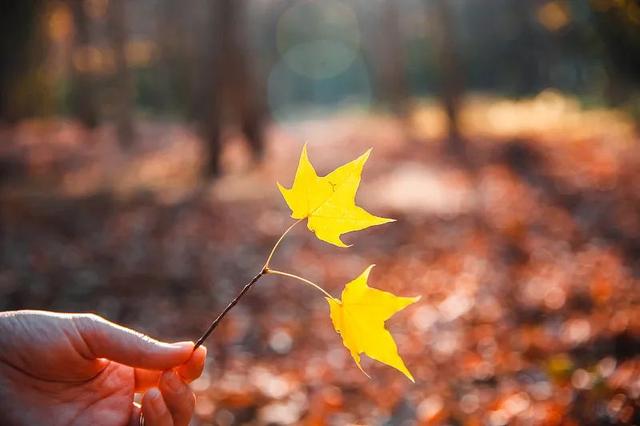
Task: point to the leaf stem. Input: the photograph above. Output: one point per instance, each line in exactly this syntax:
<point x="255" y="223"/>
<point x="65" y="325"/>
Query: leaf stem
<point x="275" y="246"/>
<point x="304" y="280"/>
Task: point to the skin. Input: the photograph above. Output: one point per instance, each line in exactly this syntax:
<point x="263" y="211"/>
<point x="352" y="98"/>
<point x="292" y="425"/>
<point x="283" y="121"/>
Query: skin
<point x="80" y="369"/>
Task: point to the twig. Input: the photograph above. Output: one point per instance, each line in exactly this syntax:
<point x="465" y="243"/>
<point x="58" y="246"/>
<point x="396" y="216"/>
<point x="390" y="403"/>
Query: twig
<point x="265" y="270"/>
<point x="215" y="322"/>
<point x="246" y="288"/>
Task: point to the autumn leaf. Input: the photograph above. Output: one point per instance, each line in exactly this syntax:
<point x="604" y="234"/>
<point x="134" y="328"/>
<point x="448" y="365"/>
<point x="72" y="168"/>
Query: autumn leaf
<point x="360" y="316"/>
<point x="328" y="202"/>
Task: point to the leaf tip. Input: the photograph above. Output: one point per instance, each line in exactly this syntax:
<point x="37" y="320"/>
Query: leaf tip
<point x="364" y="157"/>
<point x="410" y="377"/>
<point x="408" y="301"/>
<point x="415" y="299"/>
<point x="382" y="220"/>
<point x="367" y="271"/>
<point x="357" y="360"/>
<point x="335" y="241"/>
<point x="404" y="370"/>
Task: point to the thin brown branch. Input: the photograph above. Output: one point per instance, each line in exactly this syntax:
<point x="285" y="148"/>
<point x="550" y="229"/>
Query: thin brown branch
<point x="231" y="304"/>
<point x="264" y="271"/>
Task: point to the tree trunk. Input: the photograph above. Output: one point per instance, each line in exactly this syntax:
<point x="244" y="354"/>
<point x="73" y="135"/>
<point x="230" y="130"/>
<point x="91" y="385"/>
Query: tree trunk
<point x="241" y="94"/>
<point x="83" y="102"/>
<point x="208" y="96"/>
<point x="123" y="82"/>
<point x="393" y="79"/>
<point x="23" y="51"/>
<point x="232" y="92"/>
<point x="450" y="78"/>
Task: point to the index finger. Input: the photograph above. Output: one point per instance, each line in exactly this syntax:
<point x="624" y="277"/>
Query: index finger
<point x="189" y="371"/>
<point x="192" y="369"/>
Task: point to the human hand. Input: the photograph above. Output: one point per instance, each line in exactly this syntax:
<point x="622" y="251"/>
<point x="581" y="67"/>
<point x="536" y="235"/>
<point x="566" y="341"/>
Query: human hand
<point x="80" y="369"/>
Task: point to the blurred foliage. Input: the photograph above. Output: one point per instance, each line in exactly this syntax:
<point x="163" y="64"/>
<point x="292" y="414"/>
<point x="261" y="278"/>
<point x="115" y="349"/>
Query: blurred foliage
<point x="526" y="252"/>
<point x="319" y="54"/>
<point x="526" y="261"/>
<point x="619" y="22"/>
<point x="25" y="88"/>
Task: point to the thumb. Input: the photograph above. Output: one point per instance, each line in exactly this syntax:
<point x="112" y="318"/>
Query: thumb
<point x="103" y="339"/>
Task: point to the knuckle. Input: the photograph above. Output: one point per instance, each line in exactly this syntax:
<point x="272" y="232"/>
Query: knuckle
<point x="91" y="326"/>
<point x="89" y="322"/>
<point x="185" y="401"/>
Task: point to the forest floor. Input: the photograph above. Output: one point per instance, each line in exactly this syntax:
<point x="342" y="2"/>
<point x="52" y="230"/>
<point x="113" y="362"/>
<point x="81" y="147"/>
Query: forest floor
<point x="526" y="254"/>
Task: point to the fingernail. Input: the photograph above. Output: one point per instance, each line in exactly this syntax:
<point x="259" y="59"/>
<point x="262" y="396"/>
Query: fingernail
<point x="204" y="349"/>
<point x="155" y="396"/>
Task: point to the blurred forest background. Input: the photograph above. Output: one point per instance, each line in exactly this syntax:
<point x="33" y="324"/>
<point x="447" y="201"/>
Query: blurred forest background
<point x="140" y="143"/>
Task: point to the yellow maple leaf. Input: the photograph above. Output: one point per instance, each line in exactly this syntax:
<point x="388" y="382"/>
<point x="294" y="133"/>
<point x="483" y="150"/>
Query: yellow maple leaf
<point x="360" y="316"/>
<point x="328" y="202"/>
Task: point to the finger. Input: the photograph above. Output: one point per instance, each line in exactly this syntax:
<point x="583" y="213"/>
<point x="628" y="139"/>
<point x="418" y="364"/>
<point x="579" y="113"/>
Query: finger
<point x="178" y="397"/>
<point x="155" y="410"/>
<point x="192" y="369"/>
<point x="135" y="415"/>
<point x="145" y="379"/>
<point x="189" y="371"/>
<point x="103" y="339"/>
